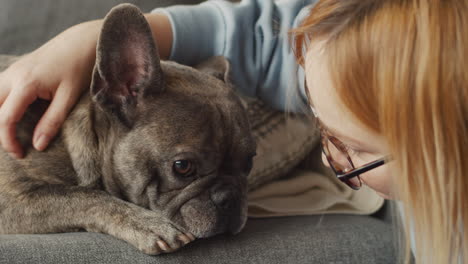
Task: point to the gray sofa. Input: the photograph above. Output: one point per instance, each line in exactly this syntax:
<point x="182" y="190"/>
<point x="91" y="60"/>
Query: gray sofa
<point x="24" y="25"/>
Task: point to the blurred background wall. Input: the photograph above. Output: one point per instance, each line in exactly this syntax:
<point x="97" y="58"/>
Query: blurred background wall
<point x="27" y="24"/>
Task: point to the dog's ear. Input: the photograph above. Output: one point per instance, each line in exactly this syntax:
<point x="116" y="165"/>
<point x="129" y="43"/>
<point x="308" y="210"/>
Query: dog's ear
<point x="217" y="66"/>
<point x="127" y="65"/>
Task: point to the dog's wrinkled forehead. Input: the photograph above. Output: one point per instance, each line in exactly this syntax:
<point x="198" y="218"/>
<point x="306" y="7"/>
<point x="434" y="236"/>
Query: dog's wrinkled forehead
<point x="194" y="104"/>
<point x="171" y="118"/>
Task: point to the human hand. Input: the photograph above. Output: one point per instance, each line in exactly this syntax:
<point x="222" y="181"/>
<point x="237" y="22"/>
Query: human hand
<point x="59" y="71"/>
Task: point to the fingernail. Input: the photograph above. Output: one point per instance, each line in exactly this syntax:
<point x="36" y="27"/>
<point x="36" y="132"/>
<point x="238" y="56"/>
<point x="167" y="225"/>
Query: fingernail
<point x="41" y="143"/>
<point x="15" y="155"/>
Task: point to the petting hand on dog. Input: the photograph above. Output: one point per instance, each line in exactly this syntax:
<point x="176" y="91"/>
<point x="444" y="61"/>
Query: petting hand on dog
<point x="59" y="72"/>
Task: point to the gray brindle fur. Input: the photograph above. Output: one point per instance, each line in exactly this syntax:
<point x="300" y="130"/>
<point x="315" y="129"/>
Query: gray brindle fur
<point x="119" y="165"/>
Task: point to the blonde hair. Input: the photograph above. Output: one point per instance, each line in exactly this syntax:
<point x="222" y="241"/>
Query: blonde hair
<point x="401" y="67"/>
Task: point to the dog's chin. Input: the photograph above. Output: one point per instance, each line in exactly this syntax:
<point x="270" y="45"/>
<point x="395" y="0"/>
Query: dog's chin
<point x="203" y="219"/>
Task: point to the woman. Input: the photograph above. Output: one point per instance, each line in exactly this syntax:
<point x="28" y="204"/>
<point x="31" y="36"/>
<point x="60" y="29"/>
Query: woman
<point x="385" y="78"/>
<point x="389" y="80"/>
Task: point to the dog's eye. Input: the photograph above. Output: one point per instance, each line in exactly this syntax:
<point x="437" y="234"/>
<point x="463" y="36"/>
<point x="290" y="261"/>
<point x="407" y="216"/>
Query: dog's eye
<point x="183" y="168"/>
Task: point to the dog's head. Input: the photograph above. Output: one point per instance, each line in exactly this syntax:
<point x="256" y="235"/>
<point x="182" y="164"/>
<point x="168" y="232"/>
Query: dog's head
<point x="182" y="142"/>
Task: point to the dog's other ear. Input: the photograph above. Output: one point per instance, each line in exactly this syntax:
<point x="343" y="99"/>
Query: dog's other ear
<point x="217" y="66"/>
<point x="127" y="63"/>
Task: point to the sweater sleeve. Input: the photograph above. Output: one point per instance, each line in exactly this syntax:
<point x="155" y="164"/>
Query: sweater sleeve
<point x="253" y="36"/>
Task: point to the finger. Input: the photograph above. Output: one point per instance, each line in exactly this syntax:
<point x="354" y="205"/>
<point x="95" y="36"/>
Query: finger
<point x="54" y="117"/>
<point x="4" y="89"/>
<point x="11" y="112"/>
<point x="3" y="94"/>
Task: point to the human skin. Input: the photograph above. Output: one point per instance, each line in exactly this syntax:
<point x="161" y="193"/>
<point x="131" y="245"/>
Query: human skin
<point x="58" y="71"/>
<point x="365" y="144"/>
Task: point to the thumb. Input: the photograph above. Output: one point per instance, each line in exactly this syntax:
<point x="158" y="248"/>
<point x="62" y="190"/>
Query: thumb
<point x="52" y="120"/>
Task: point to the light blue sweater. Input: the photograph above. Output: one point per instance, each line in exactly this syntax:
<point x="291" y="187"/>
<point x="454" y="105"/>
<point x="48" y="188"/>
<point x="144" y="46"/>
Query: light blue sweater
<point x="253" y="36"/>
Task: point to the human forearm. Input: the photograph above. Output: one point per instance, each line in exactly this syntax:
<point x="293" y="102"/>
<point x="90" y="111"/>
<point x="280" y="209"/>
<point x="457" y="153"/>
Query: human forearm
<point x="89" y="32"/>
<point x="162" y="33"/>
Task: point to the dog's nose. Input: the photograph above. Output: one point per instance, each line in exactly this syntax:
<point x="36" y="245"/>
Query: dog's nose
<point x="222" y="197"/>
<point x="231" y="207"/>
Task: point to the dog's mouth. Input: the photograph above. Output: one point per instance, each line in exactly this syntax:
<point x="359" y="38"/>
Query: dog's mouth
<point x="204" y="218"/>
<point x="236" y="226"/>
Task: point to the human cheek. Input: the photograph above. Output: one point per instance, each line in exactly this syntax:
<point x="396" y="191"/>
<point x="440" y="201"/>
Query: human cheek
<point x="380" y="180"/>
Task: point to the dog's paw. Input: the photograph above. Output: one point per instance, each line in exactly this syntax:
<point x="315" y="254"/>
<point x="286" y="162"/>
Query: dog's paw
<point x="159" y="237"/>
<point x="150" y="232"/>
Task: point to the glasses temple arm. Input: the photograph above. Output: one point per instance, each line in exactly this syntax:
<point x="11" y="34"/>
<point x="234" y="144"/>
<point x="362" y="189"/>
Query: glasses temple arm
<point x="364" y="168"/>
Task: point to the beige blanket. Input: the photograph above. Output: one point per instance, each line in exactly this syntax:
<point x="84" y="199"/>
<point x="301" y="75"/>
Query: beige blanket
<point x="311" y="189"/>
<point x="310" y="193"/>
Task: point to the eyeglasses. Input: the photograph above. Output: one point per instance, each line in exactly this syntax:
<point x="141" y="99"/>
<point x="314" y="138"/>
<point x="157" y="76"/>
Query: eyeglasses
<point x="338" y="157"/>
<point x="340" y="161"/>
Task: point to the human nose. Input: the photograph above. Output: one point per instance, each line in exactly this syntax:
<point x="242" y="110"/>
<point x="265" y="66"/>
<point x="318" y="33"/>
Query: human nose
<point x="325" y="160"/>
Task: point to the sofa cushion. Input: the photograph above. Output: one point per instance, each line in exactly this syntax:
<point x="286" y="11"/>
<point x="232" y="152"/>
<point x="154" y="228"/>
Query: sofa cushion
<point x="306" y="239"/>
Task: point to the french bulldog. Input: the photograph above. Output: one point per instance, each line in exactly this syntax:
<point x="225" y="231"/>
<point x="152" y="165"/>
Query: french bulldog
<point x="155" y="153"/>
